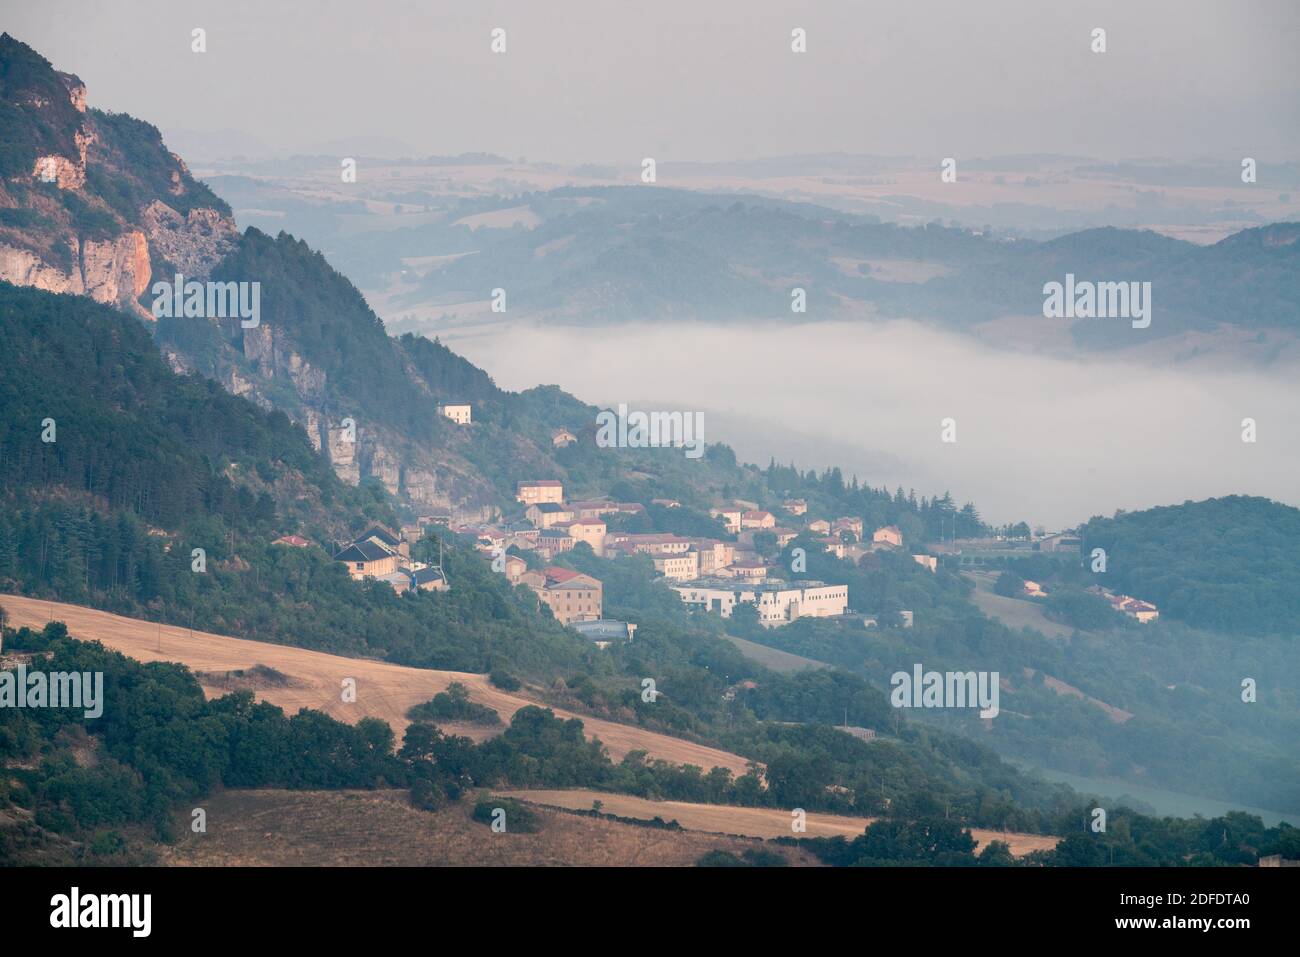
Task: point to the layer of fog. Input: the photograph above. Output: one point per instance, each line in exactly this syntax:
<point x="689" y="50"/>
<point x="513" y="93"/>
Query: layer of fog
<point x="1044" y="440"/>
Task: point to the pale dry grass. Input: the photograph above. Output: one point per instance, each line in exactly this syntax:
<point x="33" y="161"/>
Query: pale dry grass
<point x="760" y="822"/>
<point x="386" y="691"/>
<point x="380" y="829"/>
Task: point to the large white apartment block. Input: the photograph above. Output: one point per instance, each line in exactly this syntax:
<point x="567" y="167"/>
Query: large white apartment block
<point x="778" y="602"/>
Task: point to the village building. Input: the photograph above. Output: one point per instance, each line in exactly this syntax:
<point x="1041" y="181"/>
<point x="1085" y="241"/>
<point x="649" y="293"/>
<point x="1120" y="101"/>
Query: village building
<point x="522" y="534"/>
<point x="460" y="414"/>
<point x="756" y="518"/>
<point x="547" y="514"/>
<point x="679" y="567"/>
<point x="515" y="568"/>
<point x="562" y="438"/>
<point x="485" y="537"/>
<point x="292" y="541"/>
<point x="927" y="561"/>
<point x="1135" y="608"/>
<point x="589" y="530"/>
<point x="847" y="524"/>
<point x="746" y="569"/>
<point x="399" y="581"/>
<point x="795" y="506"/>
<point x="819" y="526"/>
<point x="379" y="554"/>
<point x="714" y="554"/>
<point x="554" y="541"/>
<point x="571" y="596"/>
<point x="889" y="535"/>
<point x="428" y="578"/>
<point x="833" y="545"/>
<point x="778" y="602"/>
<point x="368" y="559"/>
<point x="1060" y="542"/>
<point x="730" y="517"/>
<point x="438" y="516"/>
<point x="543" y="490"/>
<point x="388" y="538"/>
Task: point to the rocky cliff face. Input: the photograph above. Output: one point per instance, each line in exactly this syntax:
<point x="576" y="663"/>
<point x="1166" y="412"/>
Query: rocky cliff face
<point x="81" y="215"/>
<point x="93" y="204"/>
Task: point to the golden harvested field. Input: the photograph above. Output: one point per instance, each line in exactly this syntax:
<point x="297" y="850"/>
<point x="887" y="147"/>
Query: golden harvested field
<point x="379" y="828"/>
<point x="383" y="690"/>
<point x="748" y="821"/>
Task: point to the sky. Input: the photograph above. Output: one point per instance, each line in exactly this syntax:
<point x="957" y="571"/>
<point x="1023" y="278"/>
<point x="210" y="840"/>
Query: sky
<point x="612" y="82"/>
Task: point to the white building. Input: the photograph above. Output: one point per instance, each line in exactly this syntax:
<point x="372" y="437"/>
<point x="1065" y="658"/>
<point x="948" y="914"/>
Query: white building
<point x="778" y="602"/>
<point x="460" y="414"/>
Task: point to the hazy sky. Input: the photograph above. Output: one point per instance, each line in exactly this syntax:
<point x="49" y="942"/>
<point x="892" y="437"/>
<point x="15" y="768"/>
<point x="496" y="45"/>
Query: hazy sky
<point x="684" y="79"/>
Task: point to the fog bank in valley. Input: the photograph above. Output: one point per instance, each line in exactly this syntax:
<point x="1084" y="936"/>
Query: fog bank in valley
<point x="1047" y="440"/>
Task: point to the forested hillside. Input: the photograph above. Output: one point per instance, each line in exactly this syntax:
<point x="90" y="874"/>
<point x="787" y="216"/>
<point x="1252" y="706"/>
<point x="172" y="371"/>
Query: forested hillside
<point x="146" y="465"/>
<point x="1225" y="563"/>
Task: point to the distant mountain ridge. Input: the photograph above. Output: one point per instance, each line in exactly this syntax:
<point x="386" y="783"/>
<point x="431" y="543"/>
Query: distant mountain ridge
<point x="610" y="254"/>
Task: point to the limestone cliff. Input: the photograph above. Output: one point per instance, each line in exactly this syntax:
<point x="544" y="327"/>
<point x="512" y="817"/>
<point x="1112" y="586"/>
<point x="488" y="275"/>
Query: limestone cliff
<point x="79" y="193"/>
<point x="93" y="203"/>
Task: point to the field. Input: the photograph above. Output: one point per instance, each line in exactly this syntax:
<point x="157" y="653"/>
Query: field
<point x="1015" y="613"/>
<point x="747" y="821"/>
<point x="774" y="658"/>
<point x="380" y="829"/>
<point x="313" y="679"/>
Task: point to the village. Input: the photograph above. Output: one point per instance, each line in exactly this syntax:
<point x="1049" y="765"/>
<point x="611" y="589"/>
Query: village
<point x="712" y="575"/>
<point x="708" y="574"/>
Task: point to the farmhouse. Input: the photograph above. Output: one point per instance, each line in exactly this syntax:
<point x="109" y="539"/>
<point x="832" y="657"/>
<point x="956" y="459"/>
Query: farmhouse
<point x="368" y="559"/>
